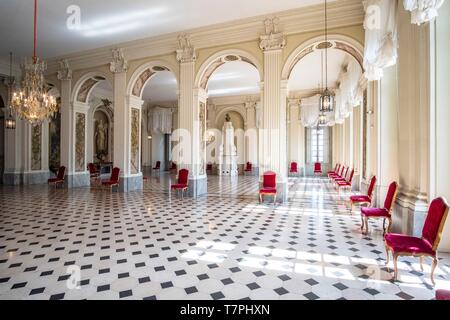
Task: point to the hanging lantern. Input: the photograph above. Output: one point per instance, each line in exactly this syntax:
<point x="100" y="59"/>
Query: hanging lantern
<point x="327" y="101"/>
<point x="10" y="122"/>
<point x="322" y="120"/>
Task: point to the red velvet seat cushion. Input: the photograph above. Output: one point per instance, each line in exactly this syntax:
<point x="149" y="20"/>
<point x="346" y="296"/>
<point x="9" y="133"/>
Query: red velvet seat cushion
<point x="344" y="184"/>
<point x="408" y="244"/>
<point x="179" y="186"/>
<point x="375" y="212"/>
<point x="338" y="179"/>
<point x="442" y="295"/>
<point x="109" y="183"/>
<point x="268" y="190"/>
<point x="360" y="199"/>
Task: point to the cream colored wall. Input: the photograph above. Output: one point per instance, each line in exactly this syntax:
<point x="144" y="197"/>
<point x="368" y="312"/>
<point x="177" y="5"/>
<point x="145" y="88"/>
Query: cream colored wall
<point x="440" y="105"/>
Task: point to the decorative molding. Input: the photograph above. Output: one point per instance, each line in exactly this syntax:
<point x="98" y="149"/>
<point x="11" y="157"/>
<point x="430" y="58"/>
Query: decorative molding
<point x="342" y="13"/>
<point x="185" y="51"/>
<point x="273" y="39"/>
<point x="119" y="64"/>
<point x="64" y="72"/>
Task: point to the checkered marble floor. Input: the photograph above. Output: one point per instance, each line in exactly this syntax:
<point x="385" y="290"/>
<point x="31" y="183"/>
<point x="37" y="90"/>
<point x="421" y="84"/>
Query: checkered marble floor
<point x="93" y="244"/>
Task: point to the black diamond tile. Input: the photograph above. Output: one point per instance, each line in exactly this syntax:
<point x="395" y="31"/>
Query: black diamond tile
<point x="37" y="291"/>
<point x="103" y="288"/>
<point x="281" y="291"/>
<point x="126" y="293"/>
<point x="311" y="296"/>
<point x="166" y="285"/>
<point x="253" y="286"/>
<point x="191" y="290"/>
<point x="217" y="295"/>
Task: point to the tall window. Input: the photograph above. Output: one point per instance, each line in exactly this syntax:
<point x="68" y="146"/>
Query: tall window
<point x="317" y="145"/>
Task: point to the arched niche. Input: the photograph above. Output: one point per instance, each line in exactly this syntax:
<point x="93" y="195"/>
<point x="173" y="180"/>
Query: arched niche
<point x="86" y="84"/>
<point x="102" y="112"/>
<point x="336" y="41"/>
<point x="220" y="58"/>
<point x="144" y="73"/>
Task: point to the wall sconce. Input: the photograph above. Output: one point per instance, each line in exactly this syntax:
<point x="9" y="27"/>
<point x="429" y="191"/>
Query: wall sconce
<point x="149" y="137"/>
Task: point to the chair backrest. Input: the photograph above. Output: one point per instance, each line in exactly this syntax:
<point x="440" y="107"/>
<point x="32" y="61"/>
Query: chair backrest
<point x="209" y="166"/>
<point x="434" y="223"/>
<point x="158" y="164"/>
<point x="336" y="168"/>
<point x="183" y="176"/>
<point x="92" y="168"/>
<point x="317" y="166"/>
<point x="345" y="174"/>
<point x="115" y="174"/>
<point x="342" y="171"/>
<point x="294" y="166"/>
<point x="61" y="173"/>
<point x="174" y="165"/>
<point x="248" y="166"/>
<point x="390" y="196"/>
<point x="371" y="186"/>
<point x="350" y="179"/>
<point x="269" y="179"/>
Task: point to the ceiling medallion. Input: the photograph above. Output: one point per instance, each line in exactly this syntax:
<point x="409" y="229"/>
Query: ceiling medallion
<point x="32" y="102"/>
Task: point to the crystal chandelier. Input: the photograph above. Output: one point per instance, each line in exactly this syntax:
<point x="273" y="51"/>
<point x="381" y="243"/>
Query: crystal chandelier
<point x="327" y="99"/>
<point x="32" y="102"/>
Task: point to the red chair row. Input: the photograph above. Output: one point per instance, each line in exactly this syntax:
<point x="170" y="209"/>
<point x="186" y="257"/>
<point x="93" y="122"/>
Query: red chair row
<point x="59" y="180"/>
<point x="404" y="245"/>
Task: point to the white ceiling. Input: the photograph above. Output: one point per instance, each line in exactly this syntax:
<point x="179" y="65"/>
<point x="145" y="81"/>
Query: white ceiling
<point x="306" y="74"/>
<point x="106" y="22"/>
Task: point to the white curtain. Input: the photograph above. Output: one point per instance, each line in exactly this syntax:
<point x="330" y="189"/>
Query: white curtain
<point x="381" y="41"/>
<point x="162" y="120"/>
<point x="350" y="91"/>
<point x="422" y="11"/>
<point x="310" y="111"/>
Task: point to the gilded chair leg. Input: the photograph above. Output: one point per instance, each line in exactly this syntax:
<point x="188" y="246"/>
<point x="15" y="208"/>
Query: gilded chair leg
<point x="395" y="256"/>
<point x="366" y="223"/>
<point x="387" y="255"/>
<point x="362" y="223"/>
<point x="389" y="227"/>
<point x="260" y="198"/>
<point x="275" y="199"/>
<point x="421" y="262"/>
<point x="433" y="268"/>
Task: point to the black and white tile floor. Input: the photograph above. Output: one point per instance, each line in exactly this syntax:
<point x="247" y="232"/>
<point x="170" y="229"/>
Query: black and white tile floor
<point x="152" y="245"/>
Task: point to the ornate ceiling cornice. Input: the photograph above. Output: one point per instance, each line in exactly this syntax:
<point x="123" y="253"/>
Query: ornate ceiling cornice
<point x="341" y="13"/>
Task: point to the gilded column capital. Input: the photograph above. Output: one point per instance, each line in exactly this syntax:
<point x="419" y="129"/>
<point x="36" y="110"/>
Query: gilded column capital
<point x="119" y="64"/>
<point x="185" y="52"/>
<point x="64" y="72"/>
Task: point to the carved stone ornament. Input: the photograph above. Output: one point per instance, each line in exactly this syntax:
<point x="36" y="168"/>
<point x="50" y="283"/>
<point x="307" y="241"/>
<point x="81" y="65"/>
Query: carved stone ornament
<point x="273" y="39"/>
<point x="64" y="73"/>
<point x="119" y="64"/>
<point x="185" y="52"/>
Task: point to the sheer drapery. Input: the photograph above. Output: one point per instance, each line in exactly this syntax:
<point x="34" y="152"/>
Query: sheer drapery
<point x="422" y="11"/>
<point x="350" y="91"/>
<point x="162" y="120"/>
<point x="381" y="41"/>
<point x="310" y="111"/>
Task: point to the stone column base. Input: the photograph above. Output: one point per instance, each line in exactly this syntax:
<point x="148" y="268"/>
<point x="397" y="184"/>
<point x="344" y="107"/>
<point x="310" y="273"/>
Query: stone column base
<point x="198" y="186"/>
<point x="409" y="215"/>
<point x="38" y="177"/>
<point x="77" y="180"/>
<point x="253" y="173"/>
<point x="12" y="178"/>
<point x="131" y="183"/>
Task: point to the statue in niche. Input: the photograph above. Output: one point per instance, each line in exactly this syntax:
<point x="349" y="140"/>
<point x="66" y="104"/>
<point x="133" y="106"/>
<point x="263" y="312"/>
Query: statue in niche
<point x="227" y="118"/>
<point x="101" y="140"/>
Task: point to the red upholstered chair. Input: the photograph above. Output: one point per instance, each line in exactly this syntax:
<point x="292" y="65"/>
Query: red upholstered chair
<point x="269" y="187"/>
<point x="157" y="166"/>
<point x="318" y="168"/>
<point x="345" y="184"/>
<point x="338" y="174"/>
<point x="384" y="213"/>
<point x="182" y="182"/>
<point x="294" y="167"/>
<point x="342" y="177"/>
<point x="113" y="180"/>
<point x="335" y="171"/>
<point x="209" y="167"/>
<point x="59" y="180"/>
<point x="442" y="295"/>
<point x="364" y="200"/>
<point x="173" y="167"/>
<point x="93" y="172"/>
<point x="427" y="245"/>
<point x="248" y="167"/>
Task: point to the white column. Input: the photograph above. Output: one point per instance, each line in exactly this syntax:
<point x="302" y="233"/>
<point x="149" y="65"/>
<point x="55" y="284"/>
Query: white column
<point x="251" y="136"/>
<point x="189" y="154"/>
<point x="127" y="129"/>
<point x="296" y="136"/>
<point x="274" y="110"/>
